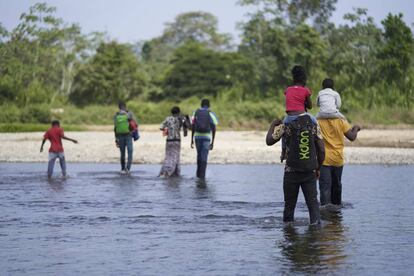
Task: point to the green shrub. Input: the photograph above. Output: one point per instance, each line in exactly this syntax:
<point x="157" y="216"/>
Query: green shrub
<point x="9" y="114"/>
<point x="235" y="114"/>
<point x="36" y="114"/>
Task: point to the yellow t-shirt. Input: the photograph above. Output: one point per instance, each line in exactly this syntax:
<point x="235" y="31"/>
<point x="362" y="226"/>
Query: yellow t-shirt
<point x="333" y="131"/>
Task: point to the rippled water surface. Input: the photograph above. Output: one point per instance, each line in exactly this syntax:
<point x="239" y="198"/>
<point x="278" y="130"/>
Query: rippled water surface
<point x="97" y="222"/>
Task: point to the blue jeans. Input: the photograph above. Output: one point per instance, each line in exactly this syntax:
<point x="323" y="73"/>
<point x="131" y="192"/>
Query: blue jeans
<point x="125" y="142"/>
<point x="203" y="147"/>
<point x="52" y="160"/>
<point x="290" y="118"/>
<point x="330" y="185"/>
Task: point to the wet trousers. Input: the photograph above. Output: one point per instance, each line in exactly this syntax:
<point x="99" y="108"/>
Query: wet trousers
<point x="125" y="143"/>
<point x="52" y="160"/>
<point x="292" y="181"/>
<point x="203" y="147"/>
<point x="330" y="185"/>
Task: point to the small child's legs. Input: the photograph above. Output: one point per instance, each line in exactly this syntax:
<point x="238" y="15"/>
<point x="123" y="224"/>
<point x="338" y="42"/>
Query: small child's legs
<point x="283" y="154"/>
<point x="286" y="121"/>
<point x="333" y="115"/>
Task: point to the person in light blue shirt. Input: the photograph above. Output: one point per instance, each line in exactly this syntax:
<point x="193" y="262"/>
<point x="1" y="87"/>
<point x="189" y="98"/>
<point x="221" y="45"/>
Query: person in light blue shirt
<point x="203" y="132"/>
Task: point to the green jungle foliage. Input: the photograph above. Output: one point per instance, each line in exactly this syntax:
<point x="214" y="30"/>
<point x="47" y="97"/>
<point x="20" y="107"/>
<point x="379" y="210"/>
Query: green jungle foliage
<point x="51" y="69"/>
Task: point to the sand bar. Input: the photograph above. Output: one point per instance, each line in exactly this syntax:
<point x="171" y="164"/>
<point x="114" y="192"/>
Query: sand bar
<point x="231" y="147"/>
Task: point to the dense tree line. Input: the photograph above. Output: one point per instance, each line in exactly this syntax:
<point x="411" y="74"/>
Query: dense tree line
<point x="45" y="60"/>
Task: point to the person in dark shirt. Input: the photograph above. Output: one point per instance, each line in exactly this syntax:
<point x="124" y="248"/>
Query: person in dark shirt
<point x="203" y="132"/>
<point x="305" y="155"/>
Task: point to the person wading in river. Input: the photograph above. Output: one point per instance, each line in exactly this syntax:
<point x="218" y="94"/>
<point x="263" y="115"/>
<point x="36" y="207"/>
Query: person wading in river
<point x="171" y="127"/>
<point x="123" y="135"/>
<point x="203" y="131"/>
<point x="333" y="132"/>
<point x="305" y="154"/>
<point x="55" y="135"/>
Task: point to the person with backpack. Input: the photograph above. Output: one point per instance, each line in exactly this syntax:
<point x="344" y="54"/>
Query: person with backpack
<point x="126" y="130"/>
<point x="203" y="132"/>
<point x="305" y="154"/>
<point x="297" y="100"/>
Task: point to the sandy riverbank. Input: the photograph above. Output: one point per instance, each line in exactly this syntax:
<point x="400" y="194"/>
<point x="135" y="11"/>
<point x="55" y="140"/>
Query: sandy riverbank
<point x="372" y="146"/>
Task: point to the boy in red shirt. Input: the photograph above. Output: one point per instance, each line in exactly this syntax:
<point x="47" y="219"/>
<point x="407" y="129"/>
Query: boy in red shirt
<point x="298" y="100"/>
<point x="55" y="135"/>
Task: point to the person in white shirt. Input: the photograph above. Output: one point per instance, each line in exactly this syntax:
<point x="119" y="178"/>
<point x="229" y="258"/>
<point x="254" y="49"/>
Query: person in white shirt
<point x="329" y="101"/>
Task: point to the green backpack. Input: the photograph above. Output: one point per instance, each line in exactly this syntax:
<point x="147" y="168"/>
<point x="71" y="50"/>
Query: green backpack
<point x="121" y="124"/>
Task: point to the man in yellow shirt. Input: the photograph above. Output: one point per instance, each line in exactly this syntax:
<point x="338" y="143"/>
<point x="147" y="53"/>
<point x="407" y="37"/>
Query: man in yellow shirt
<point x="333" y="133"/>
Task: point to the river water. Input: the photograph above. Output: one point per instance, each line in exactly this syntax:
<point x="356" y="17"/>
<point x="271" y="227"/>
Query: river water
<point x="97" y="222"/>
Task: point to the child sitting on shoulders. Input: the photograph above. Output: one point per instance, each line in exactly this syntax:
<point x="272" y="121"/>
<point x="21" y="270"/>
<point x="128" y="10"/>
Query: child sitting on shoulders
<point x="329" y="101"/>
<point x="297" y="96"/>
<point x="297" y="100"/>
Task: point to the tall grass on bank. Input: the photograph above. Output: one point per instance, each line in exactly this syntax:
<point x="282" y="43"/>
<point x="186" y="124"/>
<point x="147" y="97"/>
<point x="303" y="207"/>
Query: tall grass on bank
<point x="249" y="114"/>
<point x="21" y="127"/>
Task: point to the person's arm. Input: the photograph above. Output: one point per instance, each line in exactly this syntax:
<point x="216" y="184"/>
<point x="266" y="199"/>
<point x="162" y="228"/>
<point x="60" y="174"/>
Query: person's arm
<point x="115" y="126"/>
<point x="62" y="135"/>
<point x="69" y="139"/>
<point x="116" y="137"/>
<point x="320" y="154"/>
<point x="213" y="126"/>
<point x="317" y="102"/>
<point x="269" y="137"/>
<point x="163" y="125"/>
<point x="352" y="134"/>
<point x="192" y="136"/>
<point x="320" y="151"/>
<point x="338" y="102"/>
<point x="308" y="102"/>
<point x="193" y="122"/>
<point x="43" y="143"/>
<point x="213" y="130"/>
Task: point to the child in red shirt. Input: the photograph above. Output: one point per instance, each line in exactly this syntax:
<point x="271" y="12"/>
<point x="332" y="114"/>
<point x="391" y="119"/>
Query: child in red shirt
<point x="55" y="135"/>
<point x="297" y="96"/>
<point x="297" y="100"/>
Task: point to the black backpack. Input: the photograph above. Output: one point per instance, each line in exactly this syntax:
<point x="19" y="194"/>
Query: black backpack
<point x="202" y="121"/>
<point x="300" y="142"/>
<point x="186" y="123"/>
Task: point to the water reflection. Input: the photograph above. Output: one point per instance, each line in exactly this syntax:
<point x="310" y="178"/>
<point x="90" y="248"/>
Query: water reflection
<point x="317" y="249"/>
<point x="57" y="184"/>
<point x="203" y="189"/>
<point x="173" y="183"/>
